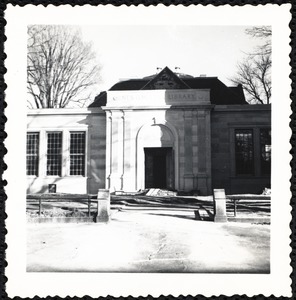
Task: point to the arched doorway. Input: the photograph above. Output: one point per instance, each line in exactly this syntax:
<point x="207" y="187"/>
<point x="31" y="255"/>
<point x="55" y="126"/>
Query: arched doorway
<point x="157" y="156"/>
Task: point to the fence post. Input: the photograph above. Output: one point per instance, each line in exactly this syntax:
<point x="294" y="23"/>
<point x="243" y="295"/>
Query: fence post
<point x="103" y="205"/>
<point x="219" y="206"/>
<point x="88" y="204"/>
<point x="40" y="205"/>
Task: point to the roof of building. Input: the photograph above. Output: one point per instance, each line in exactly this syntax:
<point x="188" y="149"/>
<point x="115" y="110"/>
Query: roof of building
<point x="220" y="94"/>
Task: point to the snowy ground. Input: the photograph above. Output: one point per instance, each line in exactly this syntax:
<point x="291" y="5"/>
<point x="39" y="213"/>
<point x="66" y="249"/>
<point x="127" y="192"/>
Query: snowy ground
<point x="151" y="235"/>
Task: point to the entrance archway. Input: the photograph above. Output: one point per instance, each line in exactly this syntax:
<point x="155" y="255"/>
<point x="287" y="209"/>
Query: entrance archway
<point x="157" y="156"/>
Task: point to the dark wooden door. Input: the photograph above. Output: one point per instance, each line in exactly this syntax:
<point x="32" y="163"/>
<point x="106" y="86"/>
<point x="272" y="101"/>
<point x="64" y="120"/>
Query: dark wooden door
<point x="156" y="167"/>
<point x="159" y="170"/>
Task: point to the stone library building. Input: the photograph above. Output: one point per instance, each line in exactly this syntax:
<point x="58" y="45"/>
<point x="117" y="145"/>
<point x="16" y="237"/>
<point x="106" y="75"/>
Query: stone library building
<point x="169" y="130"/>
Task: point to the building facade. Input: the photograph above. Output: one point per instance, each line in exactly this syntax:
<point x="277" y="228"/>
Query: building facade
<point x="169" y="130"/>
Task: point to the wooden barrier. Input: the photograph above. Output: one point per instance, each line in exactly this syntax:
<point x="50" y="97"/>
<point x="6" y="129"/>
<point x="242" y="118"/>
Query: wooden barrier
<point x="58" y="197"/>
<point x="220" y="213"/>
<point x="102" y="198"/>
<point x="237" y="198"/>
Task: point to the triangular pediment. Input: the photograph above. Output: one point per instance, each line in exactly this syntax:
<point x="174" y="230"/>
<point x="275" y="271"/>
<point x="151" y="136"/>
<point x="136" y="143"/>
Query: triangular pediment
<point x="166" y="80"/>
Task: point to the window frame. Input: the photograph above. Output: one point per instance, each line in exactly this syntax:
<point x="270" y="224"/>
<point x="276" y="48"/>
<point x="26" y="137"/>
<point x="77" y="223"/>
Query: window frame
<point x="61" y="154"/>
<point x="261" y="161"/>
<point x="42" y="170"/>
<point x="251" y="130"/>
<point x="38" y="153"/>
<point x="256" y="127"/>
<point x="69" y="153"/>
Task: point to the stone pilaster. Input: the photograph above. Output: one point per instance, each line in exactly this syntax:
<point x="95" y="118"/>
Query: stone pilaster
<point x="195" y="148"/>
<point x="108" y="149"/>
<point x="181" y="133"/>
<point x="128" y="176"/>
<point x="188" y="174"/>
<point x="204" y="151"/>
<point x="116" y="152"/>
<point x="209" y="151"/>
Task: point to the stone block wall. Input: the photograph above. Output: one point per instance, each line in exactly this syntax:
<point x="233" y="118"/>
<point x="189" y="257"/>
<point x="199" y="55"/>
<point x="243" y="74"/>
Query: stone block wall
<point x="224" y="120"/>
<point x="201" y="137"/>
<point x="186" y="130"/>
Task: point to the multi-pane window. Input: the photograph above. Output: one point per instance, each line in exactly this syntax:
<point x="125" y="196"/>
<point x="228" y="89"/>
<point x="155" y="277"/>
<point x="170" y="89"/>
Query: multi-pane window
<point x="77" y="153"/>
<point x="32" y="153"/>
<point x="265" y="149"/>
<point x="244" y="152"/>
<point x="54" y="153"/>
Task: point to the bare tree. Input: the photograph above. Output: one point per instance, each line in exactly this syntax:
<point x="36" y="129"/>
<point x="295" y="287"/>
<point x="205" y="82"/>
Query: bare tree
<point x="254" y="73"/>
<point x="60" y="67"/>
<point x="263" y="33"/>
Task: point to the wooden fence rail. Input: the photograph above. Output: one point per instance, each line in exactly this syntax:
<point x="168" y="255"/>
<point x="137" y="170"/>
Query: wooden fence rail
<point x="54" y="197"/>
<point x="237" y="198"/>
<point x="220" y="206"/>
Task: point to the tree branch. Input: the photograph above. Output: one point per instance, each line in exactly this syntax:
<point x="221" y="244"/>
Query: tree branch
<point x="61" y="68"/>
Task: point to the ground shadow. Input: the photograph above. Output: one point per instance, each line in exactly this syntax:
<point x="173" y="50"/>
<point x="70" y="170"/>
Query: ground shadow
<point x="201" y="209"/>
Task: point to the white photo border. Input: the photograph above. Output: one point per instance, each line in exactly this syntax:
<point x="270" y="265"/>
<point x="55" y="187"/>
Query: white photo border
<point x="23" y="284"/>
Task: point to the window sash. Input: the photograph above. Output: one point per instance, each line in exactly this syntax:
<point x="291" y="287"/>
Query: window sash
<point x="54" y="154"/>
<point x="265" y="150"/>
<point x="32" y="159"/>
<point x="77" y="153"/>
<point x="244" y="152"/>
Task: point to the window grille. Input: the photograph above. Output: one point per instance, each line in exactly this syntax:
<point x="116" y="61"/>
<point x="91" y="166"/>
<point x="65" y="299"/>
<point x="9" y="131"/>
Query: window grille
<point x="77" y="153"/>
<point x="32" y="153"/>
<point x="244" y="153"/>
<point x="54" y="153"/>
<point x="265" y="148"/>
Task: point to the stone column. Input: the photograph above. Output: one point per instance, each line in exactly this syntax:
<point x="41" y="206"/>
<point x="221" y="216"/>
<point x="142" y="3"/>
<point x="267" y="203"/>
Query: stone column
<point x="128" y="158"/>
<point x="116" y="152"/>
<point x="108" y="149"/>
<point x="120" y="149"/>
<point x="103" y="206"/>
<point x="219" y="205"/>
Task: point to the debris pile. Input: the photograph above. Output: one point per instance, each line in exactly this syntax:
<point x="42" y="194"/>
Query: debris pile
<point x="160" y="193"/>
<point x="266" y="191"/>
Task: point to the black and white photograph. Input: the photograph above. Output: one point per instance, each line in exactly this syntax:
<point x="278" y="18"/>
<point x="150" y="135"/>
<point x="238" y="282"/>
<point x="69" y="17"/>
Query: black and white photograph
<point x="151" y="149"/>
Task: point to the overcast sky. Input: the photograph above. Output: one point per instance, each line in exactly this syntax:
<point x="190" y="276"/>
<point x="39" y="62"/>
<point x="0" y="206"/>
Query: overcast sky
<point x="136" y="51"/>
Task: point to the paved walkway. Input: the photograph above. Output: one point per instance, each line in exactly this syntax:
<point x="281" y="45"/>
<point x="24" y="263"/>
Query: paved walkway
<point x="155" y="239"/>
